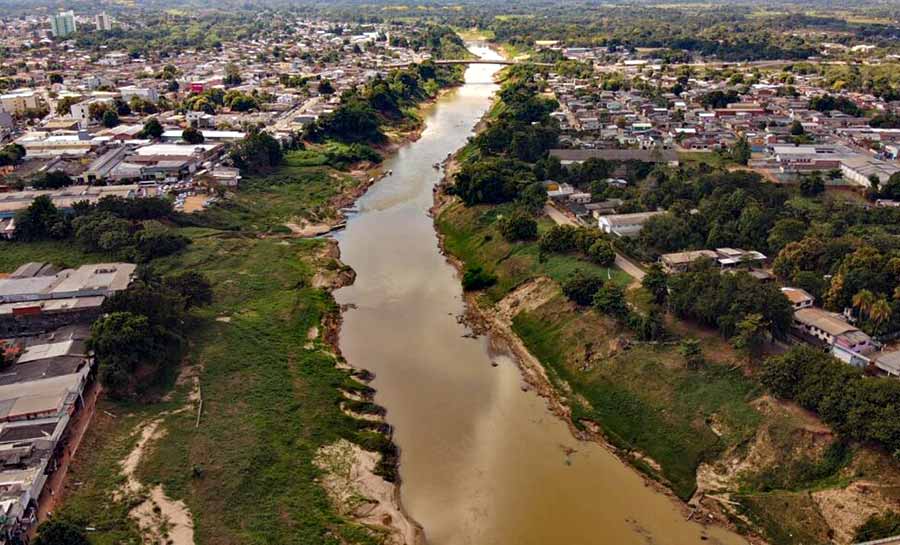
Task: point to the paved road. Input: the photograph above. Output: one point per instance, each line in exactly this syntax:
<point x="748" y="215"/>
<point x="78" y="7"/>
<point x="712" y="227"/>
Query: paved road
<point x="621" y="261"/>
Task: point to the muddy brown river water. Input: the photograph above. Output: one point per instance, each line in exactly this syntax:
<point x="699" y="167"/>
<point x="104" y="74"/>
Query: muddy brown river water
<point x="482" y="461"/>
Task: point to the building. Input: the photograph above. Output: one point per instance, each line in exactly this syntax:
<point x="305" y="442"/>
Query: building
<point x="41" y="395"/>
<point x="102" y="21"/>
<point x="36" y="298"/>
<point x="625" y="225"/>
<point x="63" y="24"/>
<point x="888" y="363"/>
<point x="148" y="94"/>
<point x="13" y="201"/>
<point x="845" y="342"/>
<point x="799" y="298"/>
<point x="18" y="101"/>
<point x="726" y="258"/>
<point x="656" y="155"/>
<point x="860" y="169"/>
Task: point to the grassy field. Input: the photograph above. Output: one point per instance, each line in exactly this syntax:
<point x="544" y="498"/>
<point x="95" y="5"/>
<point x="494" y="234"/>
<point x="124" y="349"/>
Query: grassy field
<point x="471" y="234"/>
<point x="644" y="398"/>
<point x="266" y="202"/>
<point x="60" y="253"/>
<point x="271" y="394"/>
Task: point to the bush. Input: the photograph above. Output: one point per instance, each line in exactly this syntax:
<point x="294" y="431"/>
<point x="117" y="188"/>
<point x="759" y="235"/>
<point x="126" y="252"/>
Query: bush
<point x="610" y="299"/>
<point x="518" y="226"/>
<point x="879" y="527"/>
<point x="476" y="278"/>
<point x="581" y="287"/>
<point x="602" y="254"/>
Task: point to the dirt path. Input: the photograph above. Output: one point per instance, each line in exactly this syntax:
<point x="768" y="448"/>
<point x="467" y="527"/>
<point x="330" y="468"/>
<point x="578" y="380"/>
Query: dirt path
<point x="162" y="520"/>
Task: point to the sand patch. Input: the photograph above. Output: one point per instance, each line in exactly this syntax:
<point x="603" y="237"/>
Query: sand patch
<point x="357" y="492"/>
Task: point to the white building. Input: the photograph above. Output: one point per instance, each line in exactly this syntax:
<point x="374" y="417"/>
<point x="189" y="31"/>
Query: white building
<point x="63" y="24"/>
<point x="625" y="225"/>
<point x="144" y="93"/>
<point x="102" y="21"/>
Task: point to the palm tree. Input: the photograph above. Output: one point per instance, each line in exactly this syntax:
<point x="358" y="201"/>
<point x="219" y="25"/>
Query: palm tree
<point x="863" y="301"/>
<point x="880" y="312"/>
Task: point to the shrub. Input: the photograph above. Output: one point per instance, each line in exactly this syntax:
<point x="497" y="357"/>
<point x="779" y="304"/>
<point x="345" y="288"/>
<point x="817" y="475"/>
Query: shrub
<point x="476" y="278"/>
<point x="518" y="226"/>
<point x="581" y="287"/>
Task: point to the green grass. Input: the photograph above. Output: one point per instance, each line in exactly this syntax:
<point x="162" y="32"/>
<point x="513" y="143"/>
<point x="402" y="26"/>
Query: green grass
<point x="61" y="253"/>
<point x="299" y="189"/>
<point x="470" y="234"/>
<point x="269" y="403"/>
<point x="711" y="158"/>
<point x="644" y="399"/>
<point x="270" y="398"/>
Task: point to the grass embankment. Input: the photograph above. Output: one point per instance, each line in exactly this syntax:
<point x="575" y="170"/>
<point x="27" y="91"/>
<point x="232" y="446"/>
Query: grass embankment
<point x="471" y="234"/>
<point x="780" y="469"/>
<point x="644" y="398"/>
<point x="271" y="394"/>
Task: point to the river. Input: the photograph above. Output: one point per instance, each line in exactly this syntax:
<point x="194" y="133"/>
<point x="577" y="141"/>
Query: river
<point x="482" y="461"/>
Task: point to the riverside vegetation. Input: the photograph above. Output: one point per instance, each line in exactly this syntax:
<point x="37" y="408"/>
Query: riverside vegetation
<point x="685" y="403"/>
<point x="273" y="390"/>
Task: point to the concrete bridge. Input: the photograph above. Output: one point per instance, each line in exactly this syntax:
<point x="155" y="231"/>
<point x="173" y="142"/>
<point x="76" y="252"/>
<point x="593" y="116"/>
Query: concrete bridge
<point x="470" y="61"/>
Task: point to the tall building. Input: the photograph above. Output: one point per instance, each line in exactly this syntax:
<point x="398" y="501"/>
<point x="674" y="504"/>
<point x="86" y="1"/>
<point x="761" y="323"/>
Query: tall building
<point x="103" y="21"/>
<point x="63" y="24"/>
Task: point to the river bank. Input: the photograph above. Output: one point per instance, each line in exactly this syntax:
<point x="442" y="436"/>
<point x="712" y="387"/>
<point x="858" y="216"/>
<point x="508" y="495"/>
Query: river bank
<point x="496" y="321"/>
<point x="706" y="437"/>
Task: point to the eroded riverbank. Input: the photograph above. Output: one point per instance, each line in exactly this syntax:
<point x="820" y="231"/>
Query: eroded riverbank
<point x="483" y="460"/>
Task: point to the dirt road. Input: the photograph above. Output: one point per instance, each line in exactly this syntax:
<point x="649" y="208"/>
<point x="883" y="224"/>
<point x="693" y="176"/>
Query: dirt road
<point x="621" y="261"/>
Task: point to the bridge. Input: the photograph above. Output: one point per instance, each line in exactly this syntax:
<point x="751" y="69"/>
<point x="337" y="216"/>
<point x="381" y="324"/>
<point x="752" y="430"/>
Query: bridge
<point x="442" y="62"/>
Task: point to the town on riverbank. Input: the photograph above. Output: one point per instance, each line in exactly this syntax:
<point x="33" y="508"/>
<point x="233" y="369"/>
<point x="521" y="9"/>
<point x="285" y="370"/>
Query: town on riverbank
<point x="689" y="238"/>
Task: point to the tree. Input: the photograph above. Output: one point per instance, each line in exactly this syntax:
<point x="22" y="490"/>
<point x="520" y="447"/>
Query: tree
<point x="11" y="154"/>
<point x="784" y="232"/>
<point x="518" y="226"/>
<point x="751" y="335"/>
<point x="257" y="151"/>
<point x="64" y="106"/>
<point x="476" y="278"/>
<point x="880" y="313"/>
<point x="692" y="353"/>
<point x="54" y="179"/>
<point x="120" y="342"/>
<point x="110" y="118"/>
<point x="58" y="531"/>
<point x="863" y="301"/>
<point x="797" y="128"/>
<point x="878" y="526"/>
<point x="41" y="220"/>
<point x="55" y="78"/>
<point x="656" y="281"/>
<point x="581" y="287"/>
<point x="740" y="151"/>
<point x="326" y="88"/>
<point x="610" y="299"/>
<point x="192" y="136"/>
<point x="811" y="185"/>
<point x="152" y="128"/>
<point x="194" y="288"/>
<point x="602" y="253"/>
<point x="232" y="75"/>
